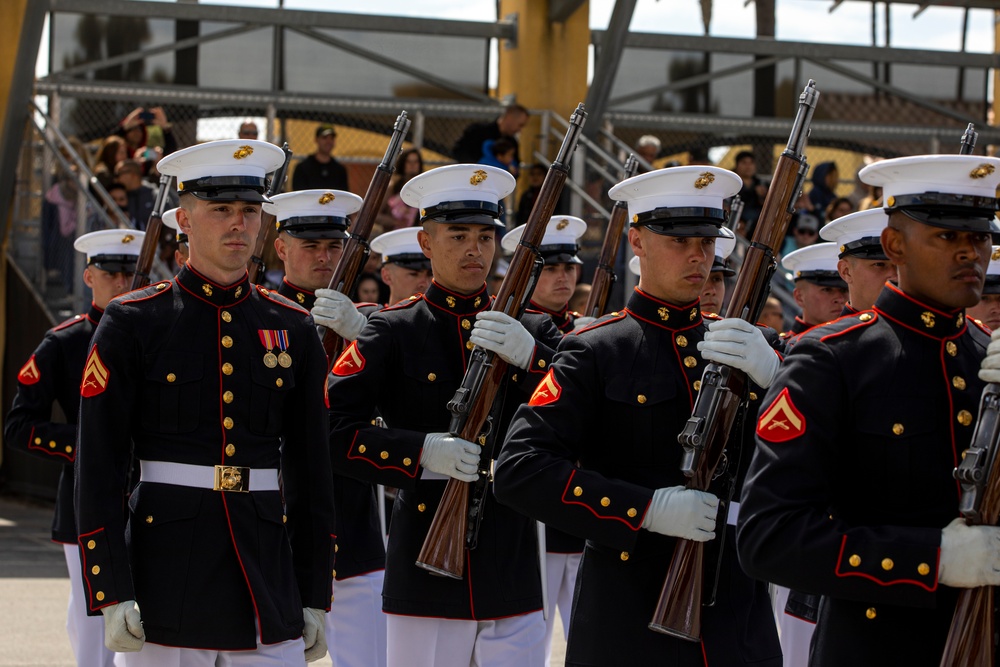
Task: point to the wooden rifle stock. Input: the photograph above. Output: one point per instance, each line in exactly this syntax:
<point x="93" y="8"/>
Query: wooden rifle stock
<point x="356" y="249"/>
<point x="723" y="389"/>
<point x="255" y="267"/>
<point x="151" y="242"/>
<point x="604" y="274"/>
<point x="970" y="637"/>
<point x="443" y="551"/>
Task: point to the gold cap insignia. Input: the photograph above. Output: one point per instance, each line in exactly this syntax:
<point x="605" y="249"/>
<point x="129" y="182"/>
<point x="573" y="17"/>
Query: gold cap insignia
<point x="927" y="317"/>
<point x="704" y="180"/>
<point x="326" y="198"/>
<point x="180" y="186"/>
<point x="478" y="176"/>
<point x="891" y="201"/>
<point x="982" y="171"/>
<point x="562" y="224"/>
<point x="242" y="152"/>
<point x="300" y="297"/>
<point x="128" y="238"/>
<point x="996" y="255"/>
<point x="664" y="314"/>
<point x="635" y="218"/>
<point x="450" y="301"/>
<point x="842" y="249"/>
<point x="207" y="289"/>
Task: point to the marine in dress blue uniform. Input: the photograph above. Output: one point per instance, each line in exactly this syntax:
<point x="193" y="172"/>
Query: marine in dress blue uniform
<point x="819" y="290"/>
<point x="405" y="268"/>
<point x="594" y="452"/>
<point x="312" y="226"/>
<point x="407" y="363"/>
<point x="987" y="311"/>
<point x="214" y="385"/>
<point x="861" y="260"/>
<point x="850" y="492"/>
<point x="52" y="376"/>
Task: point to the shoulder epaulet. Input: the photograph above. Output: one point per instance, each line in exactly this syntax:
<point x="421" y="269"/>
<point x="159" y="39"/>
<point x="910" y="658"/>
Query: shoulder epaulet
<point x="843" y="325"/>
<point x="979" y="325"/>
<point x="615" y="316"/>
<point x="273" y="295"/>
<point x="76" y="319"/>
<point x="710" y="316"/>
<point x="405" y="303"/>
<point x="147" y="292"/>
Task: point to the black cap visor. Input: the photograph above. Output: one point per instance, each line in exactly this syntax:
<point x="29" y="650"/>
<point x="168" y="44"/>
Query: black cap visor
<point x="315" y="227"/>
<point x="966" y="213"/>
<point x="464" y="212"/>
<point x="869" y="247"/>
<point x="114" y="263"/>
<point x="822" y="278"/>
<point x="226" y="188"/>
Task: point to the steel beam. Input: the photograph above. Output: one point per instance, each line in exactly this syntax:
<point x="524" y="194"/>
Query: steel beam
<point x="561" y="10"/>
<point x="609" y="55"/>
<point x="695" y="80"/>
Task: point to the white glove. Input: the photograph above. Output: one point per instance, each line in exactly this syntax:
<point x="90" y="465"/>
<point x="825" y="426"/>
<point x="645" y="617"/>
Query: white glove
<point x="989" y="370"/>
<point x="970" y="555"/>
<point x="123" y="627"/>
<point x="336" y="312"/>
<point x="445" y="454"/>
<point x="498" y="332"/>
<point x="583" y="322"/>
<point x="314" y="633"/>
<point x="681" y="512"/>
<point x="737" y="343"/>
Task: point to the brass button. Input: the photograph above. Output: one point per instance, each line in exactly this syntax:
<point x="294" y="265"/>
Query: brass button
<point x="854" y="560"/>
<point x="335" y="573"/>
<point x="951" y="348"/>
<point x="624" y="555"/>
<point x="171" y="377"/>
<point x="690" y="362"/>
<point x="279" y="382"/>
<point x="466" y="324"/>
<point x="421" y="507"/>
<point x="91" y="544"/>
<point x="384" y="455"/>
<point x="631" y="512"/>
<point x="432" y="376"/>
<point x="541" y="363"/>
<point x="96" y="569"/>
<point x="149" y="519"/>
<point x="964" y="417"/>
<point x="681" y="341"/>
<point x="958" y="382"/>
<point x="38" y="441"/>
<point x="226" y="317"/>
<point x="514" y="377"/>
<point x="577" y="491"/>
<point x="753" y="396"/>
<point x="52" y="444"/>
<point x="161" y="287"/>
<point x="870" y="613"/>
<point x="227" y="341"/>
<point x="228" y="422"/>
<point x="230" y="449"/>
<point x="697" y="385"/>
<point x="469" y="345"/>
<point x="336" y="548"/>
<point x="924" y="569"/>
<point x="227" y="368"/>
<point x="407" y="461"/>
<point x="641" y="398"/>
<point x="68" y="449"/>
<point x="99" y="596"/>
<point x="605" y="501"/>
<point x="362" y="449"/>
<point x="227" y="397"/>
<point x="897" y="429"/>
<point x="887" y="564"/>
<point x="284" y="518"/>
<point x="864" y="317"/>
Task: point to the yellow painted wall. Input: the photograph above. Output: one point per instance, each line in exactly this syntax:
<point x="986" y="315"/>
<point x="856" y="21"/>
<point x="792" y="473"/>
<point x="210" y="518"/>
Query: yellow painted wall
<point x="11" y="19"/>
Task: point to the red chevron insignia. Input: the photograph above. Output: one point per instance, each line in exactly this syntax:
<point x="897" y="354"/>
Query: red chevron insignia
<point x="782" y="420"/>
<point x="349" y="362"/>
<point x="547" y="391"/>
<point x="95" y="375"/>
<point x="29" y="373"/>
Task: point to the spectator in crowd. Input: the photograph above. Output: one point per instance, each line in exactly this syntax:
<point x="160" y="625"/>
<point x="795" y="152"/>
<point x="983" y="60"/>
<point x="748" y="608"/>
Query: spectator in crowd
<point x="396" y="213"/>
<point x="248" y="130"/>
<point x="753" y="192"/>
<point x="320" y="170"/>
<point x="119" y="198"/>
<point x="805" y="231"/>
<point x="135" y="130"/>
<point x="369" y="289"/>
<point x="648" y="148"/>
<point x="536" y="176"/>
<point x="112" y="152"/>
<point x="824" y="181"/>
<point x="499" y="153"/>
<point x="469" y="147"/>
<point x="59" y="222"/>
<point x="698" y="155"/>
<point x="838" y="208"/>
<point x="873" y="200"/>
<point x="772" y="314"/>
<point x="141" y="197"/>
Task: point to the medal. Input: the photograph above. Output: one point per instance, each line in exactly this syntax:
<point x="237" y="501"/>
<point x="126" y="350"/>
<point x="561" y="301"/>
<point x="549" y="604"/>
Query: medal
<point x="270" y="360"/>
<point x="270" y="339"/>
<point x="284" y="359"/>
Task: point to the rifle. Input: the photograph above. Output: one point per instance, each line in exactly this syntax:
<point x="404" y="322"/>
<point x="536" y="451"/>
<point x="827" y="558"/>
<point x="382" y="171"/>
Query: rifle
<point x="443" y="551"/>
<point x="723" y="389"/>
<point x="970" y="637"/>
<point x="735" y="211"/>
<point x="255" y="266"/>
<point x="356" y="250"/>
<point x="151" y="242"/>
<point x="969" y="140"/>
<point x="604" y="274"/>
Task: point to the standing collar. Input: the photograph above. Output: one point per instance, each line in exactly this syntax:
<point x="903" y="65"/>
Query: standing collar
<point x="800" y="326"/>
<point x="95" y="313"/>
<point x="455" y="303"/>
<point x="662" y="314"/>
<point x="299" y="295"/>
<point x="907" y="311"/>
<point x="563" y="318"/>
<point x="211" y="292"/>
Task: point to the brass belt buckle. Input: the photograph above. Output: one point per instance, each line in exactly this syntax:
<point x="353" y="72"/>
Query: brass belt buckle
<point x="231" y="478"/>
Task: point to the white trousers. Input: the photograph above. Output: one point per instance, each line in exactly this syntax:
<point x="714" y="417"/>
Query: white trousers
<point x="86" y="633"/>
<point x="355" y="626"/>
<point x="560" y="578"/>
<point x="415" y="641"/>
<point x="291" y="652"/>
<point x="793" y="633"/>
